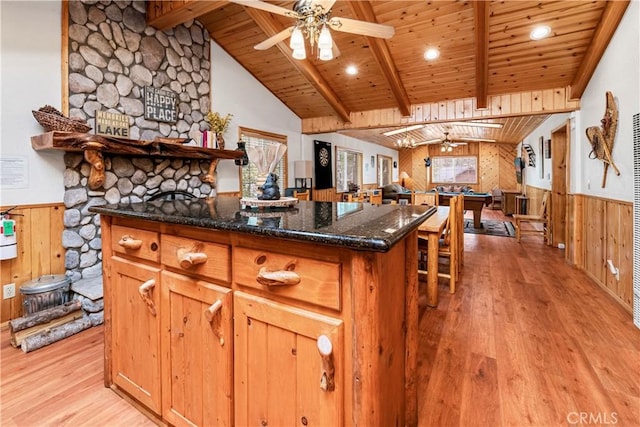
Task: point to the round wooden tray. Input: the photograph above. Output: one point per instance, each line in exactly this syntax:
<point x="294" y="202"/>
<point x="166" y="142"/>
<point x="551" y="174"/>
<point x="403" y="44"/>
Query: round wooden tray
<point x="253" y="202"/>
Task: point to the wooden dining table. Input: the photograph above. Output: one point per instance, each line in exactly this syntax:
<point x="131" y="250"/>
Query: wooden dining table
<point x="432" y="228"/>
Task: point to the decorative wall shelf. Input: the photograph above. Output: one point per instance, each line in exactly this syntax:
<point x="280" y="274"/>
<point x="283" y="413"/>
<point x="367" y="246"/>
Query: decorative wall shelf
<point x="94" y="146"/>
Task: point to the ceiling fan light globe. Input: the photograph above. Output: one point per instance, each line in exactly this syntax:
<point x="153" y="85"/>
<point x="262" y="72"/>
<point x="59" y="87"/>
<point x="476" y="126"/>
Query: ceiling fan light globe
<point x="325" y="54"/>
<point x="297" y="39"/>
<point x="299" y="53"/>
<point x="324" y="40"/>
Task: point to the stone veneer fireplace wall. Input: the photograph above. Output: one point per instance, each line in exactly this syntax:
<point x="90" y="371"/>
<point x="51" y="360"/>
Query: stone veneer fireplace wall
<point x="113" y="56"/>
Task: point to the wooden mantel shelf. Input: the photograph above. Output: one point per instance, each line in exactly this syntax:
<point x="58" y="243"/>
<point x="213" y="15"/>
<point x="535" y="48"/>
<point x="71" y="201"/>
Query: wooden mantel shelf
<point x="94" y="146"/>
<point x="70" y="141"/>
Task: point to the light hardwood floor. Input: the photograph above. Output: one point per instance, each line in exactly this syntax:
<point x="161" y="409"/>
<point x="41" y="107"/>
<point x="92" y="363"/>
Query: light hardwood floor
<point x="525" y="341"/>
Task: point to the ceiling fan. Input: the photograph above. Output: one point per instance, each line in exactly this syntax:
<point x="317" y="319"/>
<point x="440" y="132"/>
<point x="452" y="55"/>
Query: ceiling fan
<point x="313" y="23"/>
<point x="447" y="143"/>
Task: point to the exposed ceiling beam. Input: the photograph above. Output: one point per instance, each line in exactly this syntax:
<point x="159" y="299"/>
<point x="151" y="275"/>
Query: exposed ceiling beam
<point x="167" y="14"/>
<point x="481" y="16"/>
<point x="611" y="17"/>
<point x="271" y="27"/>
<point x="363" y="11"/>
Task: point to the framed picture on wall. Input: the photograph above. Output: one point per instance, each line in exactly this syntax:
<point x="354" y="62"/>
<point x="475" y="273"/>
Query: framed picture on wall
<point x="547" y="149"/>
<point x="542" y="156"/>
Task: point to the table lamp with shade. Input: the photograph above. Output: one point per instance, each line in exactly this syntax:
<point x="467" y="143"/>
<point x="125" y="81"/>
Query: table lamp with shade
<point x="405" y="180"/>
<point x="303" y="173"/>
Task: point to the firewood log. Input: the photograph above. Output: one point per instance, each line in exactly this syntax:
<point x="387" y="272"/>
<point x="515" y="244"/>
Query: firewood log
<point x="52" y="335"/>
<point x="43" y="316"/>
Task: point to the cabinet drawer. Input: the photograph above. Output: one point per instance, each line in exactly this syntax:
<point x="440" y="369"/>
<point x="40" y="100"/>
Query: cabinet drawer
<point x="305" y="279"/>
<point x="135" y="242"/>
<point x="208" y="259"/>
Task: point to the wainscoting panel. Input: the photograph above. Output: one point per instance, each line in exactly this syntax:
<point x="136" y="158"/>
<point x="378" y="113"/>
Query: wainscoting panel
<point x="599" y="229"/>
<point x="39" y="236"/>
<point x="325" y="195"/>
<point x="607" y="234"/>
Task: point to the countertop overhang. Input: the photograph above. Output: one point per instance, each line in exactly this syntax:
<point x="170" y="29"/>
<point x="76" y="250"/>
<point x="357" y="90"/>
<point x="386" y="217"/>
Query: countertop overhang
<point x="359" y="226"/>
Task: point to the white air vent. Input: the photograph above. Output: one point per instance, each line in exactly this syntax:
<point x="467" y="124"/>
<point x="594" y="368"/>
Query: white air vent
<point x="636" y="220"/>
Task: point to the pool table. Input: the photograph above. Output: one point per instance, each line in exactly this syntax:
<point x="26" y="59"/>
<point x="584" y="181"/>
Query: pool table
<point x="472" y="202"/>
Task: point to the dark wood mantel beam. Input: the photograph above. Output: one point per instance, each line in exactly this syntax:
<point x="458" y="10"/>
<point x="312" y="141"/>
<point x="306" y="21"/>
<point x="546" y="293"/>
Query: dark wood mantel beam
<point x="363" y="11"/>
<point x="481" y="20"/>
<point x="271" y="27"/>
<point x="611" y="17"/>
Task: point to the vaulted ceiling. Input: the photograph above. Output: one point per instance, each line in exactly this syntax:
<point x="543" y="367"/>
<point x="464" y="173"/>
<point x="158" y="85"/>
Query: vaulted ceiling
<point x="488" y="67"/>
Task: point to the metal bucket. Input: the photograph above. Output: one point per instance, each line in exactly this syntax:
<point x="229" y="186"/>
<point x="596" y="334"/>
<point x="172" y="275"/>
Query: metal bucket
<point x="45" y="292"/>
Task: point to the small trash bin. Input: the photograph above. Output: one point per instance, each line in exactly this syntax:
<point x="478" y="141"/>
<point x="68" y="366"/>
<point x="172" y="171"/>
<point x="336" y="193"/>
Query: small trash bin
<point x="45" y="292"/>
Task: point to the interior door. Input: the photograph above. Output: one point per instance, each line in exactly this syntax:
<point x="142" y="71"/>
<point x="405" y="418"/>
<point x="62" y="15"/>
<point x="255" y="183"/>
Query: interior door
<point x="559" y="183"/>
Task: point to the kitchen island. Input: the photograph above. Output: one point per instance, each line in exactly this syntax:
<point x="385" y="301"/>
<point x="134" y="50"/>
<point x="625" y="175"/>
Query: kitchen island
<point x="217" y="315"/>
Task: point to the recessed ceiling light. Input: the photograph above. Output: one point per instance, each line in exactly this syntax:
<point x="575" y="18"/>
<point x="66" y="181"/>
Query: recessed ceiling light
<point x="478" y="124"/>
<point x="431" y="54"/>
<point x="540" y="32"/>
<point x="352" y="70"/>
<point x="402" y="130"/>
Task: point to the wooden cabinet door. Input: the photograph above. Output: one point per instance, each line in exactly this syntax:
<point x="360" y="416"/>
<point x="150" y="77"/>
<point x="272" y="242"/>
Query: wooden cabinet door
<point x="135" y="331"/>
<point x="278" y="369"/>
<point x="197" y="349"/>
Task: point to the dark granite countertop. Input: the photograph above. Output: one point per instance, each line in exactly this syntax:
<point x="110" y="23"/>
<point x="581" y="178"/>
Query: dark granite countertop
<point x="354" y="225"/>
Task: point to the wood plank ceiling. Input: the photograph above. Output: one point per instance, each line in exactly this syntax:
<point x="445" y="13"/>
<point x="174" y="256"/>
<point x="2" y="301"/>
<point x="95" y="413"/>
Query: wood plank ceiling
<point x="485" y="51"/>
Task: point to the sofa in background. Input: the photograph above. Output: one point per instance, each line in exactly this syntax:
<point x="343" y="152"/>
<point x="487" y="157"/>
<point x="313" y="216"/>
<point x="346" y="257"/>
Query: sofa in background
<point x="390" y="192"/>
<point x="453" y="189"/>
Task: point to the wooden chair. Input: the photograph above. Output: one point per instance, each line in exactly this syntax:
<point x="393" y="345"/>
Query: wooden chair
<point x="535" y="221"/>
<point x="301" y="195"/>
<point x="375" y="197"/>
<point x="450" y="243"/>
<point x="425" y="199"/>
<point x="496" y="198"/>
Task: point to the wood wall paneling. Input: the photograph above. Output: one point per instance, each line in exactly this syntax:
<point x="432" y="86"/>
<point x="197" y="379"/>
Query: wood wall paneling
<point x="598" y="230"/>
<point x="594" y="229"/>
<point x="489" y="168"/>
<point x="39" y="238"/>
<point x="325" y="195"/>
<point x="507" y="178"/>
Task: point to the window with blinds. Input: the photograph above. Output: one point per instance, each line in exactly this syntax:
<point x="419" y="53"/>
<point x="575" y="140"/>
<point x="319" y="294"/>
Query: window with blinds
<point x="348" y="169"/>
<point x="249" y="173"/>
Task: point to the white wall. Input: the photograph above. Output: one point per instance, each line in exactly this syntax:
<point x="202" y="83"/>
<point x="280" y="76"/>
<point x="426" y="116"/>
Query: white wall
<point x="30" y="77"/>
<point x="235" y="91"/>
<point x="366" y="148"/>
<point x="618" y="72"/>
<point x="532" y="174"/>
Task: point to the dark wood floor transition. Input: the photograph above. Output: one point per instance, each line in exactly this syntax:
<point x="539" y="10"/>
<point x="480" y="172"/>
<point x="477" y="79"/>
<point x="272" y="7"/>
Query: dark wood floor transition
<point x="525" y="341"/>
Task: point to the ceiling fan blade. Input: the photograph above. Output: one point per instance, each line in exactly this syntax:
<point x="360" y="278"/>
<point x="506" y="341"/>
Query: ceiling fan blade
<point x="334" y="49"/>
<point x="431" y="141"/>
<point x="325" y="4"/>
<point x="267" y="7"/>
<point x="274" y="40"/>
<point x="364" y="28"/>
